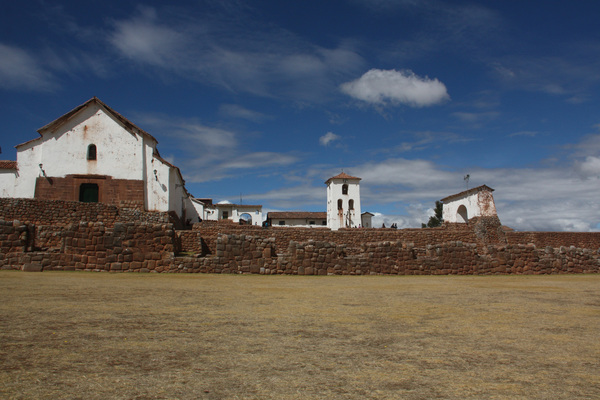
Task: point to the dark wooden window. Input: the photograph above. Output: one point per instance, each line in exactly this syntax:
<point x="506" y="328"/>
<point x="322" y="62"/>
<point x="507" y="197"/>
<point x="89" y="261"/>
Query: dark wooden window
<point x="91" y="153"/>
<point x="340" y="204"/>
<point x="344" y="189"/>
<point x="88" y="193"/>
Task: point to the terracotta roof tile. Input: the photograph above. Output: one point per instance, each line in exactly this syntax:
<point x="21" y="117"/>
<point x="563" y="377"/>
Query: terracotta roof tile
<point x="6" y="164"/>
<point x="343" y="175"/>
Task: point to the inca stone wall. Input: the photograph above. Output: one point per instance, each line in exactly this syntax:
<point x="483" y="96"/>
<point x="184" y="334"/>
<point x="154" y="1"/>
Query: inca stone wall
<point x="40" y="235"/>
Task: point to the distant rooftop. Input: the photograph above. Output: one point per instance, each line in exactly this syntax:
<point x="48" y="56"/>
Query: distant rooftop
<point x="343" y="175"/>
<point x="467" y="192"/>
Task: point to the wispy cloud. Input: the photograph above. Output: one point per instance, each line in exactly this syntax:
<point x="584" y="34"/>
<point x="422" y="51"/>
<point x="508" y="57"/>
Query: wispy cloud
<point x="524" y="133"/>
<point x="570" y="74"/>
<point x="207" y="153"/>
<point x="144" y="39"/>
<point x="268" y="62"/>
<point x="20" y="70"/>
<point x="561" y="197"/>
<point x="237" y="111"/>
<point x="328" y="138"/>
<point x="391" y="87"/>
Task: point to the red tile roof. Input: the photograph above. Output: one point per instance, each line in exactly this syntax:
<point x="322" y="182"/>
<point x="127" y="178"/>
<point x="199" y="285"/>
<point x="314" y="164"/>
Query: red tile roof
<point x="343" y="175"/>
<point x="5" y="164"/>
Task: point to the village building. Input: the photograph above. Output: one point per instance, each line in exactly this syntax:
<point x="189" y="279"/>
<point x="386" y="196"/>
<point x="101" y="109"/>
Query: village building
<point x="240" y="213"/>
<point x="365" y="219"/>
<point x="476" y="202"/>
<point x="343" y="208"/>
<point x="297" y="218"/>
<point x="343" y="202"/>
<point x="94" y="154"/>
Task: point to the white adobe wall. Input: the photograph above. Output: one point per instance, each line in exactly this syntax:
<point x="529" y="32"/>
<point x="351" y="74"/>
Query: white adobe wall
<point x="29" y="157"/>
<point x="334" y="193"/>
<point x="8" y="178"/>
<point x="120" y="154"/>
<point x="366" y="221"/>
<point x="62" y="152"/>
<point x="479" y="204"/>
<point x="299" y="222"/>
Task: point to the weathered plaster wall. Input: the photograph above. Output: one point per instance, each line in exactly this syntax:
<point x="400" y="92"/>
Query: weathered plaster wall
<point x="337" y="218"/>
<point x="478" y="204"/>
<point x="7" y="182"/>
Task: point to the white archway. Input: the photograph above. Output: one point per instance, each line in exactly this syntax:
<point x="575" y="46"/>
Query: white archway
<point x="247" y="218"/>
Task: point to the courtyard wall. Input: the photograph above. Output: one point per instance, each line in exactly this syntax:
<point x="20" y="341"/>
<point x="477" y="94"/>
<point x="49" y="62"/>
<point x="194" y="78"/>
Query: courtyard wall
<point x="59" y="235"/>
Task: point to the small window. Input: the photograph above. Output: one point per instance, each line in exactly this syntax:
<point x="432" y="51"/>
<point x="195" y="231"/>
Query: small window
<point x="225" y="214"/>
<point x="344" y="189"/>
<point x="88" y="193"/>
<point x="324" y="223"/>
<point x="311" y="223"/>
<point x="91" y="153"/>
<point x="340" y="204"/>
<point x="351" y="204"/>
<point x="281" y="222"/>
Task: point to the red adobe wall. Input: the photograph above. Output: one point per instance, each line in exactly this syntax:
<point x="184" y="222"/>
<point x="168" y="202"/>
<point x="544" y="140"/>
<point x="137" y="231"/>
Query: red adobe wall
<point x="118" y="192"/>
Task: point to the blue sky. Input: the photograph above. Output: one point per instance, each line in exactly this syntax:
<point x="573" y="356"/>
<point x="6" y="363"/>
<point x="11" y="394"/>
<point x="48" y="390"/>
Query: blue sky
<point x="268" y="99"/>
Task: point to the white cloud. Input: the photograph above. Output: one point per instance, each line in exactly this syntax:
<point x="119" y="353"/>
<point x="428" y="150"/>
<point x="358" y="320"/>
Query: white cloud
<point x="237" y="111"/>
<point x="589" y="167"/>
<point x="20" y="70"/>
<point x="524" y="133"/>
<point x="211" y="153"/>
<point x="380" y="87"/>
<point x="261" y="60"/>
<point x="328" y="138"/>
<point x="561" y="197"/>
<point x="476" y="117"/>
<point x="143" y="39"/>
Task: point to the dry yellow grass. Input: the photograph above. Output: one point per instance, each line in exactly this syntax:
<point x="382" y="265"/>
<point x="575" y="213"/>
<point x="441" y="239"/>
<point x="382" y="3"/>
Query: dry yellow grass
<point x="145" y="336"/>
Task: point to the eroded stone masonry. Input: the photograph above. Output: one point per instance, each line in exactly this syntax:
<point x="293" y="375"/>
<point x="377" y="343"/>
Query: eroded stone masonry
<point x="38" y="235"/>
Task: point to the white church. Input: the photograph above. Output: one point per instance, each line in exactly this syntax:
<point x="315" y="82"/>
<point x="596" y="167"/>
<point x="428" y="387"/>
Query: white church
<point x="94" y="154"/>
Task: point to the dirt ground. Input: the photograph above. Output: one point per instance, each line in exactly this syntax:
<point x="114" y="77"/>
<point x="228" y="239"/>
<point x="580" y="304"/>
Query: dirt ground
<point x="158" y="336"/>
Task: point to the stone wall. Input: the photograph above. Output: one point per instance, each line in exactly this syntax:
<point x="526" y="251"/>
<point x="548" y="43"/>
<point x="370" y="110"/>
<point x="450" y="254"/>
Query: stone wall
<point x="60" y="235"/>
<point x="589" y="240"/>
<point x="351" y="238"/>
<point x="62" y="213"/>
<point x="247" y="254"/>
<point x="92" y="246"/>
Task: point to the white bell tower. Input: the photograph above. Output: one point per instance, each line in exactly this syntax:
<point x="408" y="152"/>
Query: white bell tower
<point x="343" y="202"/>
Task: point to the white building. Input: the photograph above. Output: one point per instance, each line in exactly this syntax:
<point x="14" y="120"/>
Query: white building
<point x="476" y="202"/>
<point x="249" y="214"/>
<point x="366" y="219"/>
<point x="343" y="202"/>
<point x="94" y="154"/>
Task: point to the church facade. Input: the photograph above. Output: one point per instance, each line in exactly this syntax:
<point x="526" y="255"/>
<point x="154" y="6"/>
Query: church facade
<point x="94" y="154"/>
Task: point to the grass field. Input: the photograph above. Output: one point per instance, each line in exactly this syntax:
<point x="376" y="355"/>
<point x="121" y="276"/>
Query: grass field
<point x="158" y="336"/>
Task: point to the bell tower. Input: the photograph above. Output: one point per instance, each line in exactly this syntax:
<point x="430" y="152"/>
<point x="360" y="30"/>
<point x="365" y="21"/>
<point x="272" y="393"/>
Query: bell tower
<point x="343" y="202"/>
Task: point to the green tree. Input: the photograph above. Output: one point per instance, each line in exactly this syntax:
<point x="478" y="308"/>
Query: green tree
<point x="436" y="219"/>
